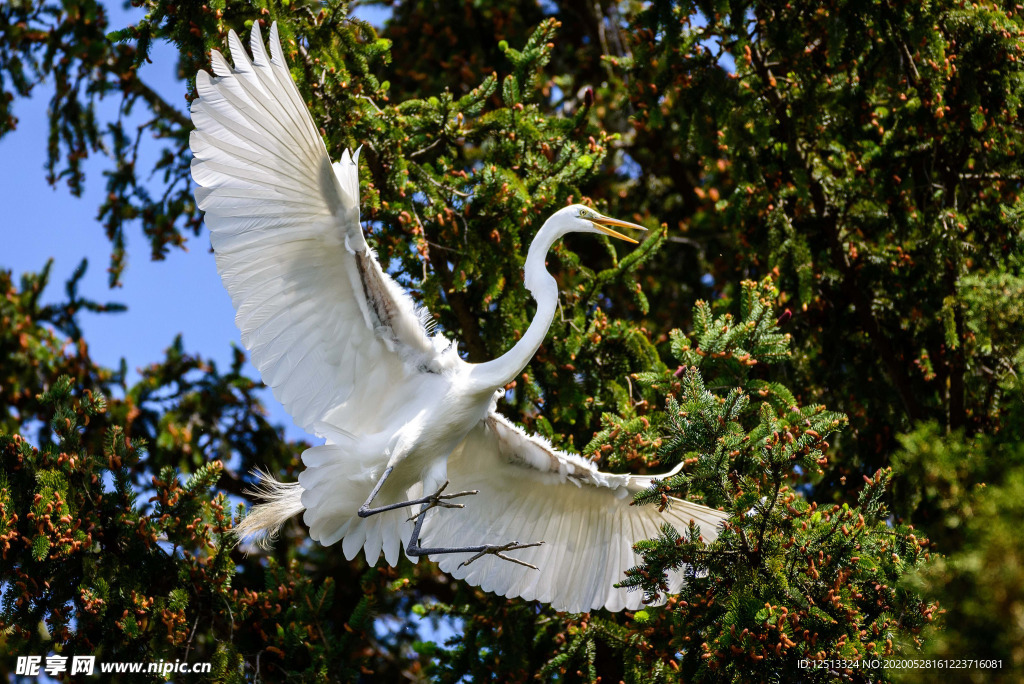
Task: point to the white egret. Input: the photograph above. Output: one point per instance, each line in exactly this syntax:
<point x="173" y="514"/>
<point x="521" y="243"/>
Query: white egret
<point x="345" y="350"/>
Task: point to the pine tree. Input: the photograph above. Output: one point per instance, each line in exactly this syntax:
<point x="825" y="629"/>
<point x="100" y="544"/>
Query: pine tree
<point x="836" y="185"/>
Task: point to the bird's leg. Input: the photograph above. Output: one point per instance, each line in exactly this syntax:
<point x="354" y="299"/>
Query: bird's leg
<point x="414" y="548"/>
<point x="435" y="499"/>
<point x="497" y="551"/>
<point x="427" y="503"/>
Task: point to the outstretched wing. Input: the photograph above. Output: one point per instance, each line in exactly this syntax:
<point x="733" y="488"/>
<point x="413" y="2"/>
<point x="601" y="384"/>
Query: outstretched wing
<point x="529" y="491"/>
<point x="328" y="330"/>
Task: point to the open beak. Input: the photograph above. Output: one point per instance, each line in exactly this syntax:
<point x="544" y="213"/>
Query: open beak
<point x="603" y="224"/>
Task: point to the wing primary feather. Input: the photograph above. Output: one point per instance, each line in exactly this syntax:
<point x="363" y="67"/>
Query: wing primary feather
<point x="203" y="143"/>
<point x="540" y="493"/>
<point x="257" y="123"/>
<point x="243" y="133"/>
<point x="238" y="53"/>
<point x="259" y="50"/>
<point x="221" y="66"/>
<point x="288" y="87"/>
<point x="253" y="87"/>
<point x="278" y="219"/>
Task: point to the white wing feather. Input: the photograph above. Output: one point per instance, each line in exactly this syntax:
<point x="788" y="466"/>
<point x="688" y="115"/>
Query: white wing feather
<point x="315" y="309"/>
<point x="529" y="491"/>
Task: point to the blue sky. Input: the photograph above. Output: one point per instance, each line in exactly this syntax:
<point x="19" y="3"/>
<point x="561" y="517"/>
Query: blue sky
<point x="181" y="294"/>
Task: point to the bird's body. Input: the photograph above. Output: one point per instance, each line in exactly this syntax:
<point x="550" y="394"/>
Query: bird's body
<point x="347" y="353"/>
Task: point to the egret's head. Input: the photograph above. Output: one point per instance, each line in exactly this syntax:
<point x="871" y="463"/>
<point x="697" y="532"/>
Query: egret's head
<point x="583" y="219"/>
<point x="575" y="218"/>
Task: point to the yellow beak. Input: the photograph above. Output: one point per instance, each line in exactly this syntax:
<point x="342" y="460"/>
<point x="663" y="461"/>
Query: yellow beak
<point x="603" y="223"/>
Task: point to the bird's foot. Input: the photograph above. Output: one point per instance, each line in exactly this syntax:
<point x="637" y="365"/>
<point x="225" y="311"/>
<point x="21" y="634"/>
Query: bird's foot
<point x="496" y="550"/>
<point x="438" y="499"/>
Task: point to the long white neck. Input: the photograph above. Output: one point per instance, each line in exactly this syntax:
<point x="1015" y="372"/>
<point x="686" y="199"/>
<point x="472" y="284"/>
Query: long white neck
<point x="502" y="370"/>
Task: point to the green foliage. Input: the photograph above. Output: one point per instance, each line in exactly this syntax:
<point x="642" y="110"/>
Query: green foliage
<point x="108" y="550"/>
<point x="969" y="491"/>
<point x="787" y="580"/>
<point x="864" y="155"/>
<point x="988" y="569"/>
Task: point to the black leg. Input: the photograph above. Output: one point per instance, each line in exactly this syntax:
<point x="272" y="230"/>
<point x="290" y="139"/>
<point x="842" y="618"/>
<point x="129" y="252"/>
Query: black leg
<point x="414" y="548"/>
<point x="436" y="499"/>
<point x="432" y="501"/>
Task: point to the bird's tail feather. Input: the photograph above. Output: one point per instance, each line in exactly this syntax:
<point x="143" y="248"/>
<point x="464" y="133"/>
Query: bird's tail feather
<point x="279" y="501"/>
<point x="336" y="482"/>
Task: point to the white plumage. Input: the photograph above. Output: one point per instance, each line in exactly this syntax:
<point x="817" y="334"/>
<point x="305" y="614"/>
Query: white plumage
<point x="345" y="350"/>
